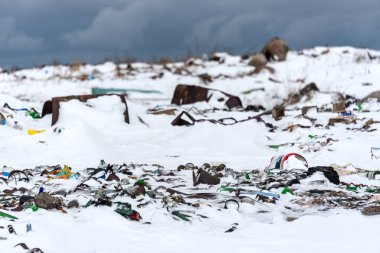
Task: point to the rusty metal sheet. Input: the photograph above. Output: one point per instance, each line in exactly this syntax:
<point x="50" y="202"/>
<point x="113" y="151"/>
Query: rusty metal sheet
<point x="189" y="94"/>
<point x="52" y="106"/>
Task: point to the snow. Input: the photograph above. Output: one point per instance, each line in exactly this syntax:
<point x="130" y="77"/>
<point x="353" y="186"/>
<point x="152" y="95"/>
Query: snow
<point x="96" y="130"/>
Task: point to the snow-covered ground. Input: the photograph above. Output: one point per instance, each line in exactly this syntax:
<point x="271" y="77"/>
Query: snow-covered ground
<point x="84" y="135"/>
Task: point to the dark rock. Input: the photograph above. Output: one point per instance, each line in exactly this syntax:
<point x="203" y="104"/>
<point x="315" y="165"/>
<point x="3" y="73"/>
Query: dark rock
<point x="371" y="210"/>
<point x="73" y="204"/>
<point x="46" y="201"/>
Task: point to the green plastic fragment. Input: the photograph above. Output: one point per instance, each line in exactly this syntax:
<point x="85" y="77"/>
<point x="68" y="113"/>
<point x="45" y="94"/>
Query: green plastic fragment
<point x="2" y="214"/>
<point x="34" y="114"/>
<point x="182" y="216"/>
<point x="312" y="136"/>
<point x="226" y="189"/>
<point x="140" y="181"/>
<point x="89" y="203"/>
<point x="32" y="206"/>
<point x="359" y="106"/>
<point x="124" y="211"/>
<point x="352" y="188"/>
<point x="274" y="146"/>
<point x="287" y="190"/>
<point x="369" y="190"/>
<point x="97" y="91"/>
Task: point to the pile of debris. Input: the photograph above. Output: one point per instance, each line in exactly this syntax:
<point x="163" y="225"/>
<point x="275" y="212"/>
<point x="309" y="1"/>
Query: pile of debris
<point x="287" y="184"/>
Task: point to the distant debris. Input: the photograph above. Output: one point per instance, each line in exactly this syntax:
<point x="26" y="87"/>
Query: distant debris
<point x="275" y="49"/>
<point x="373" y="95"/>
<point x="258" y="60"/>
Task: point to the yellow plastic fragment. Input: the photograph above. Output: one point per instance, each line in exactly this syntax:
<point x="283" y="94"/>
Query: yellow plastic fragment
<point x="33" y="132"/>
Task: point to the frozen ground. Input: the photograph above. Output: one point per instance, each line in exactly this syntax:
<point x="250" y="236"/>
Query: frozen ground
<point x="89" y="134"/>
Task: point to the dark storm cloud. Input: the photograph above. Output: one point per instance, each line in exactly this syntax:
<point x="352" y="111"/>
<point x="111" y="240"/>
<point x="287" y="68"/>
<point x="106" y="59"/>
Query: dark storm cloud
<point x="39" y="31"/>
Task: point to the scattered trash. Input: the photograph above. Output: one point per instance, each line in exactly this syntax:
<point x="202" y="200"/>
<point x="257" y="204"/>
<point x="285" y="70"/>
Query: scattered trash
<point x="11" y="230"/>
<point x="233" y="185"/>
<point x="125" y="210"/>
<point x="231" y="204"/>
<point x="232" y="229"/>
<point x="281" y="163"/>
<point x="30" y="112"/>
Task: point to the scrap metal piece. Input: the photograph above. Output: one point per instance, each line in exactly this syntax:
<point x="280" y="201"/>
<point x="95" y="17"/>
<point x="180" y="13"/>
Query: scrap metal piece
<point x="52" y="106"/>
<point x="278" y="112"/>
<point x="183" y="119"/>
<point x="327" y="171"/>
<point x="306" y="109"/>
<point x="332" y="121"/>
<point x="203" y="177"/>
<point x="22" y="245"/>
<point x="160" y="112"/>
<point x="189" y="94"/>
<point x="339" y="107"/>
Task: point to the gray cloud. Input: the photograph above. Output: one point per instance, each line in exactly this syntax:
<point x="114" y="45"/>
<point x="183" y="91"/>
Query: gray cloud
<point x="13" y="40"/>
<point x="116" y="28"/>
<point x="38" y="31"/>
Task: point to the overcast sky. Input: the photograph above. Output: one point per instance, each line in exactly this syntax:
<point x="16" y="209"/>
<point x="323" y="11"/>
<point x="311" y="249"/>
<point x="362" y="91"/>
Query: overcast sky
<point x="34" y="32"/>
